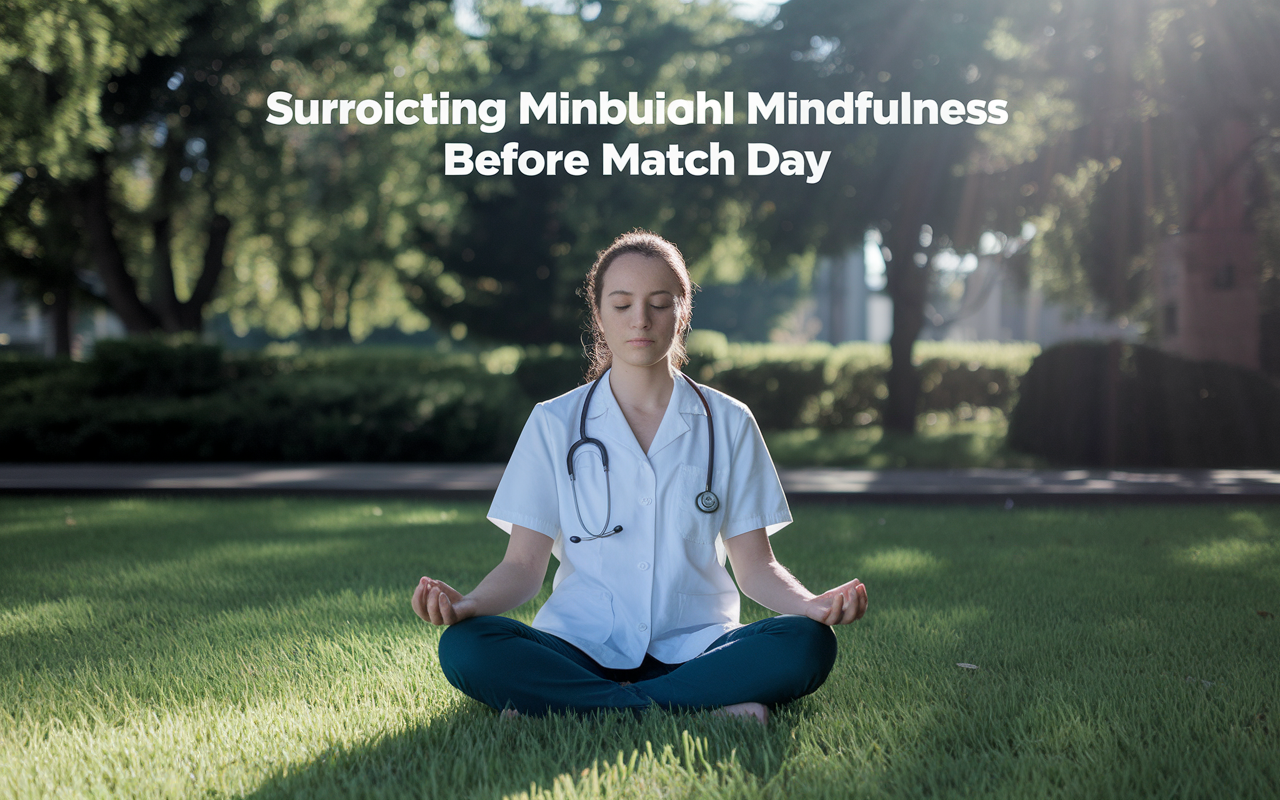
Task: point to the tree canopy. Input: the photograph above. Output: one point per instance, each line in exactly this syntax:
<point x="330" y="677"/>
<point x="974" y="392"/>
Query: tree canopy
<point x="132" y="139"/>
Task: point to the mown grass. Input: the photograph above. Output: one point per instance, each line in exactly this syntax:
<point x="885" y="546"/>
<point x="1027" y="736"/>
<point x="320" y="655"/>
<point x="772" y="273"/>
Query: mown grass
<point x="265" y="648"/>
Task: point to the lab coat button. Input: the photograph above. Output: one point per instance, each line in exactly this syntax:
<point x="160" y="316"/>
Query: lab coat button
<point x="642" y="627"/>
<point x="643" y="565"/>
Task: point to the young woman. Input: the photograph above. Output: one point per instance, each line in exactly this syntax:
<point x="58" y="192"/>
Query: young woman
<point x="639" y="483"/>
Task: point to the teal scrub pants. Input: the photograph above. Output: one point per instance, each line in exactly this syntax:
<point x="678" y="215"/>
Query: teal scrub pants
<point x="507" y="664"/>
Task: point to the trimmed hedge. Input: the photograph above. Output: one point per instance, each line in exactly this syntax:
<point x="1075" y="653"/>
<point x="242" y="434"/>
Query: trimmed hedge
<point x="306" y="418"/>
<point x="152" y="367"/>
<point x="836" y="387"/>
<point x="143" y="400"/>
<point x="1162" y="410"/>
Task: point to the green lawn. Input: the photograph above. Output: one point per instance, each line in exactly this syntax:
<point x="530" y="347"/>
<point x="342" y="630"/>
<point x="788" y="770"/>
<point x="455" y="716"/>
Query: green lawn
<point x="266" y="648"/>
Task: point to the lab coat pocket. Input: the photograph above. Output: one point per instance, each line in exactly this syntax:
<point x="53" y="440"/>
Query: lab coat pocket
<point x="695" y="525"/>
<point x="697" y="611"/>
<point x="581" y="611"/>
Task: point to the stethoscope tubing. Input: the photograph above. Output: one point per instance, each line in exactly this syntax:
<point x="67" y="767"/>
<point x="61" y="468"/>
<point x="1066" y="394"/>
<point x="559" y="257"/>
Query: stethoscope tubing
<point x="706" y="501"/>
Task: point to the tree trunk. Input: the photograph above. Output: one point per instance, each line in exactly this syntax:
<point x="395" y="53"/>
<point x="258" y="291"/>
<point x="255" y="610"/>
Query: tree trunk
<point x="60" y="320"/>
<point x="907" y="285"/>
<point x="191" y="314"/>
<point x="164" y="297"/>
<point x="122" y="291"/>
<point x="167" y="312"/>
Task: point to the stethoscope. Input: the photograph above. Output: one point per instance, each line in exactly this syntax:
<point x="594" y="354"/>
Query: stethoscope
<point x="706" y="501"/>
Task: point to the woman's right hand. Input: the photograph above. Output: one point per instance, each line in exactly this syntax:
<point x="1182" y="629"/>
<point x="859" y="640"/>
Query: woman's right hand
<point x="440" y="604"/>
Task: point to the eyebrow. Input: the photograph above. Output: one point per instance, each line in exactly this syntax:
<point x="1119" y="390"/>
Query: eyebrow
<point x="628" y="294"/>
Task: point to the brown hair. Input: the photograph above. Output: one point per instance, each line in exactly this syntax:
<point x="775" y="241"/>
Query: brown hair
<point x="650" y="245"/>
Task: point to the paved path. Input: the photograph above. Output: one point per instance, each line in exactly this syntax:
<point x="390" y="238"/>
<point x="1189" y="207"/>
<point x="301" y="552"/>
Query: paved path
<point x="479" y="480"/>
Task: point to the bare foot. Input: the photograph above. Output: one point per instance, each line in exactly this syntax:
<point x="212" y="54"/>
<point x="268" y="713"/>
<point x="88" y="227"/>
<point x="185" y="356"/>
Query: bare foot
<point x="510" y="713"/>
<point x="756" y="711"/>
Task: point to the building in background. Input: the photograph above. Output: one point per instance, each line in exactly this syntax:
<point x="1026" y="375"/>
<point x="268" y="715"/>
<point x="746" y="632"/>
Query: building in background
<point x="26" y="327"/>
<point x="21" y="324"/>
<point x="986" y="303"/>
<point x="995" y="307"/>
<point x="849" y="303"/>
<point x="1207" y="276"/>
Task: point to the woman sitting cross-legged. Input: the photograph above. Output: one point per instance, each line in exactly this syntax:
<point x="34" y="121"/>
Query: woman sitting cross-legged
<point x="640" y="483"/>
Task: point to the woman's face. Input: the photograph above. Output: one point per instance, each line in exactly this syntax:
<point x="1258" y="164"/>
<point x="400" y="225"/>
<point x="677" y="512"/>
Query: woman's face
<point x="638" y="311"/>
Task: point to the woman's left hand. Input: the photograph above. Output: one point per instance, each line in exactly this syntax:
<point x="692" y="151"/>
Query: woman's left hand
<point x="839" y="606"/>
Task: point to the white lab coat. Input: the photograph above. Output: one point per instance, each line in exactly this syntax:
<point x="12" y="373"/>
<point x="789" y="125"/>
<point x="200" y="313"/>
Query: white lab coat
<point x="659" y="586"/>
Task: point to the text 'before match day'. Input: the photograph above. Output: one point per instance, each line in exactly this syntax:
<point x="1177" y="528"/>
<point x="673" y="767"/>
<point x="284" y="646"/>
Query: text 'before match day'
<point x="762" y="159"/>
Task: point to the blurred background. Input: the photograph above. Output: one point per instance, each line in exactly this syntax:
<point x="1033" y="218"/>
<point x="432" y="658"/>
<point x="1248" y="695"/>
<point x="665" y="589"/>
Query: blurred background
<point x="1095" y="282"/>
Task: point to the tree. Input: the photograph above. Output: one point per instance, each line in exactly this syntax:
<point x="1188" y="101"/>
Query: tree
<point x="37" y="251"/>
<point x="54" y="59"/>
<point x="1156" y="86"/>
<point x="508" y="267"/>
<point x="330" y="221"/>
<point x="924" y="186"/>
<point x="176" y="176"/>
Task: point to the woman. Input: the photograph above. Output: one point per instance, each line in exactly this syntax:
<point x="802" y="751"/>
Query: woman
<point x="639" y="483"/>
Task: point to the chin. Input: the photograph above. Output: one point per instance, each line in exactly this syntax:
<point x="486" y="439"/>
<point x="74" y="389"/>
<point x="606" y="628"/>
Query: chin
<point x="645" y="360"/>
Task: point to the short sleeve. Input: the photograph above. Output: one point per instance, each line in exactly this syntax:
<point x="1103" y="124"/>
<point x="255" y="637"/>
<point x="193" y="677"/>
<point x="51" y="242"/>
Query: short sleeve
<point x="755" y="496"/>
<point x="527" y="493"/>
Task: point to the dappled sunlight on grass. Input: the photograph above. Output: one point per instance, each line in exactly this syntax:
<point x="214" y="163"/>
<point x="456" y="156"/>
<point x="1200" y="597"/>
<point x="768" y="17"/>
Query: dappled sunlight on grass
<point x="1233" y="552"/>
<point x="1252" y="544"/>
<point x="1252" y="525"/>
<point x="222" y="566"/>
<point x="433" y="517"/>
<point x="215" y="743"/>
<point x="258" y="647"/>
<point x="371" y="517"/>
<point x="63" y="616"/>
<point x="900" y="561"/>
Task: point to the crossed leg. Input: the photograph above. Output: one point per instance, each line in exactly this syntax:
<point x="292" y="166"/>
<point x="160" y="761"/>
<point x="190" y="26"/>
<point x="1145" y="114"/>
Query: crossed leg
<point x="508" y="665"/>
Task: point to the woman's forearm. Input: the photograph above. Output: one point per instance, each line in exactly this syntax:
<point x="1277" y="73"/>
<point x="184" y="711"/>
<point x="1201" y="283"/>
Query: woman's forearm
<point x="772" y="586"/>
<point x="507" y="586"/>
<point x="517" y="578"/>
<point x="762" y="578"/>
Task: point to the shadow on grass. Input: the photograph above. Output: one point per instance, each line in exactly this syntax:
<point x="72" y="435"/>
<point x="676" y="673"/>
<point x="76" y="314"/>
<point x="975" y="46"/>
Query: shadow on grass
<point x="472" y="753"/>
<point x="1109" y="644"/>
<point x="192" y="586"/>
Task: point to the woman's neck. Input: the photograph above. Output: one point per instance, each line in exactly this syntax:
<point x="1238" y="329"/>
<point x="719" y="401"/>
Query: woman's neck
<point x="647" y="389"/>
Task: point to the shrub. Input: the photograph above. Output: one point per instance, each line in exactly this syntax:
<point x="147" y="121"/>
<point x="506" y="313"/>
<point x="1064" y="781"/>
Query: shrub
<point x="834" y="387"/>
<point x="151" y="401"/>
<point x="777" y="392"/>
<point x="295" y="418"/>
<point x="1159" y="410"/>
<point x="947" y="384"/>
<point x="543" y="373"/>
<point x="14" y="367"/>
<point x="153" y="367"/>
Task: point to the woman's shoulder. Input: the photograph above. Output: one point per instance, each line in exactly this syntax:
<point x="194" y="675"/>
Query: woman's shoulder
<point x="565" y="407"/>
<point x="724" y="405"/>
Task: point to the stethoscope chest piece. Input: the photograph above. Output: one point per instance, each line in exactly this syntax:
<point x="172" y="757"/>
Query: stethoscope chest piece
<point x="707" y="502"/>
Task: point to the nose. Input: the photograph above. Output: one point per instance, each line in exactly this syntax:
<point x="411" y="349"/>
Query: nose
<point x="643" y="317"/>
